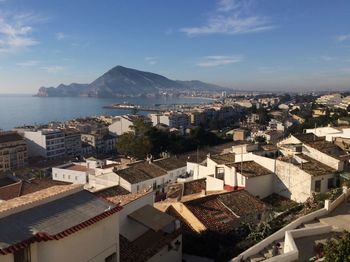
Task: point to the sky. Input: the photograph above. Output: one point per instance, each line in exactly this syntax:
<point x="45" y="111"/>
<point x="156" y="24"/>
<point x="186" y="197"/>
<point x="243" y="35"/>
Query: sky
<point x="243" y="44"/>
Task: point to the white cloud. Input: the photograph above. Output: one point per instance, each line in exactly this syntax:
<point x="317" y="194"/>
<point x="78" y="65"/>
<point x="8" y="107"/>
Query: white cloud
<point x="16" y="32"/>
<point x="152" y="60"/>
<point x="218" y="60"/>
<point x="28" y="63"/>
<point x="53" y="69"/>
<point x="231" y="17"/>
<point x="60" y="36"/>
<point x="342" y="38"/>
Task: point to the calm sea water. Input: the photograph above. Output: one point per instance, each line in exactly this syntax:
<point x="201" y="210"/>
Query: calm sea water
<point x="18" y="110"/>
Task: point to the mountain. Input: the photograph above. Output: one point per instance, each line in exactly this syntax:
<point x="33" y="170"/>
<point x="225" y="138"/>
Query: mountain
<point x="121" y="81"/>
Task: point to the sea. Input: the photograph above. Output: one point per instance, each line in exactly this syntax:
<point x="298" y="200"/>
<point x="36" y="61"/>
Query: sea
<point x="19" y="110"/>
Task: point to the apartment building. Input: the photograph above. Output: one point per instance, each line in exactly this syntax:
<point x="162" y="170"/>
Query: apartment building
<point x="101" y="143"/>
<point x="72" y="142"/>
<point x="13" y="151"/>
<point x="46" y="143"/>
<point x="172" y="119"/>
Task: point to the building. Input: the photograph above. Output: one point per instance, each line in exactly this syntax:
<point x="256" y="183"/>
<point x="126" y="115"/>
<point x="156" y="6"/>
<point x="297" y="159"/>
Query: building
<point x="72" y="143"/>
<point x="49" y="225"/>
<point x="227" y="171"/>
<point x="146" y="234"/>
<point x="330" y="100"/>
<point x="13" y="151"/>
<point x="319" y="149"/>
<point x="100" y="143"/>
<point x="123" y="124"/>
<point x="172" y="119"/>
<point x="46" y="143"/>
<point x="252" y="118"/>
<point x="240" y="135"/>
<point x="220" y="213"/>
<point x="143" y="176"/>
<point x="72" y="173"/>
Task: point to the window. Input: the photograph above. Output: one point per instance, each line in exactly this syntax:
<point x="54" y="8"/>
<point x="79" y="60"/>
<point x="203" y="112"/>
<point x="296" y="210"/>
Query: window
<point x="111" y="258"/>
<point x="22" y="255"/>
<point x="318" y="186"/>
<point x="330" y="183"/>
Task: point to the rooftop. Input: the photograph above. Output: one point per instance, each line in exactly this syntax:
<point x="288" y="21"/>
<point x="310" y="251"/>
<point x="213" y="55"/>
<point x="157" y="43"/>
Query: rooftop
<point x="6" y="137"/>
<point x="119" y="195"/>
<point x="34" y="185"/>
<point x="251" y="169"/>
<point x="140" y="172"/>
<point x="151" y="217"/>
<point x="223" y="159"/>
<point x="322" y="145"/>
<point x="309" y="165"/>
<point x="222" y="212"/>
<point x="75" y="167"/>
<point x="170" y="163"/>
<point x="53" y="220"/>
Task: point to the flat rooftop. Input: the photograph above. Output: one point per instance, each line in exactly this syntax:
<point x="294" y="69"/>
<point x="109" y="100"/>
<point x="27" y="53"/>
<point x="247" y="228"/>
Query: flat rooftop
<point x="251" y="169"/>
<point x="75" y="167"/>
<point x="224" y="159"/>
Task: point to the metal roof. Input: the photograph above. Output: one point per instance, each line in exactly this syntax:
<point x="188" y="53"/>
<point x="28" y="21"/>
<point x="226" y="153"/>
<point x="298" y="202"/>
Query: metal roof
<point x="51" y="218"/>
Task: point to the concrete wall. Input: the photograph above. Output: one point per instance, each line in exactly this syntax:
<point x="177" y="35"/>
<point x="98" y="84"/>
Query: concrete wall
<point x="214" y="184"/>
<point x="129" y="228"/>
<point x="292" y="182"/>
<point x="99" y="241"/>
<point x="36" y="143"/>
<point x="71" y="176"/>
<point x="260" y="186"/>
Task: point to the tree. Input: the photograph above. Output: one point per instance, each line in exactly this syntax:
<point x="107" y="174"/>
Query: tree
<point x="338" y="250"/>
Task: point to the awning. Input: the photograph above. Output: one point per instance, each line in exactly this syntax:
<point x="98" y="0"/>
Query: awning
<point x="151" y="217"/>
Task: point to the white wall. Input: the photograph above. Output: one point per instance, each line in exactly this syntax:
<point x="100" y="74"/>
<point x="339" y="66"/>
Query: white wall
<point x="261" y="186"/>
<point x="99" y="241"/>
<point x="214" y="184"/>
<point x="71" y="176"/>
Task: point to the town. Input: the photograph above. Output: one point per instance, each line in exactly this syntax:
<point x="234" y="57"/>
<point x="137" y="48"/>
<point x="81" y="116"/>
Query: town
<point x="248" y="177"/>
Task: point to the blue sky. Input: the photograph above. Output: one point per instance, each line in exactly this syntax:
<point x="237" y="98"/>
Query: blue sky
<point x="243" y="44"/>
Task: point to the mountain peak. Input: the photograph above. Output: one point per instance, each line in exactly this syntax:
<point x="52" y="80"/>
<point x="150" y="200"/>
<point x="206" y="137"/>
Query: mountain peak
<point x="121" y="81"/>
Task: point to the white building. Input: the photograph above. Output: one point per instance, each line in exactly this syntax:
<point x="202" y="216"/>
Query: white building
<point x="146" y="234"/>
<point x="47" y="143"/>
<point x="123" y="124"/>
<point x="228" y="171"/>
<point x="172" y="119"/>
<point x="146" y="175"/>
<point x="95" y="175"/>
<point x="50" y="224"/>
<point x="72" y="173"/>
<point x="331" y="99"/>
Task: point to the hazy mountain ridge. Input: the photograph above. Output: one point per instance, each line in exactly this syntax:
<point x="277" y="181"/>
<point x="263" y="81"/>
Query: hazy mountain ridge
<point x="122" y="81"/>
